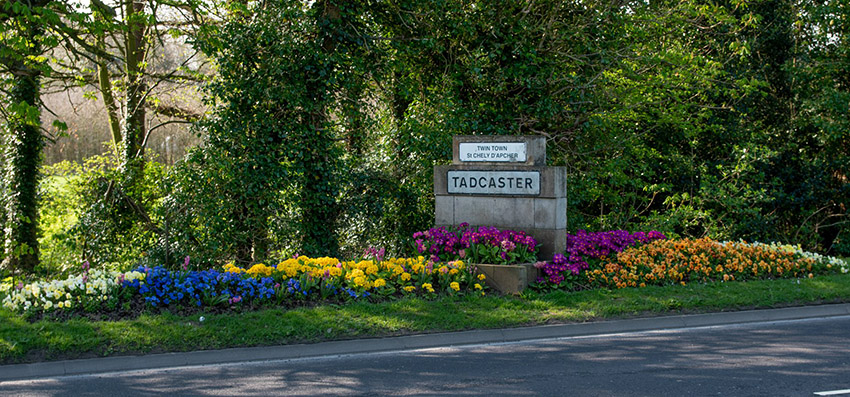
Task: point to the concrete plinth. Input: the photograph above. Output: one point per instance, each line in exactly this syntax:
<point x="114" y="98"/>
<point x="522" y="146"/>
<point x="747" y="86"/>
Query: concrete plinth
<point x="509" y="279"/>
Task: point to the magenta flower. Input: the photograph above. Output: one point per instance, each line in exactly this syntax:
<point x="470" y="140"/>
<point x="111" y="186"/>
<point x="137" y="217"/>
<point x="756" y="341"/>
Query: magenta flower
<point x="446" y="245"/>
<point x="583" y="245"/>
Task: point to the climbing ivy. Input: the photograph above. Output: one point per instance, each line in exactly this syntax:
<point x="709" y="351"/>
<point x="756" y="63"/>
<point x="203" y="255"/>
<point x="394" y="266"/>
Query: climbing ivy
<point x="24" y="40"/>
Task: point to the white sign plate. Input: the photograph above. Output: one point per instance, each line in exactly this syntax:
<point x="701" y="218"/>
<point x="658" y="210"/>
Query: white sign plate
<point x="525" y="183"/>
<point x="502" y="152"/>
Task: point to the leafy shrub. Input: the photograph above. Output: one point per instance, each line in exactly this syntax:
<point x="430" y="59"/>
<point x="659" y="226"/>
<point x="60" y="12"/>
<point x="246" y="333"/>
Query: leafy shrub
<point x="114" y="228"/>
<point x="86" y="217"/>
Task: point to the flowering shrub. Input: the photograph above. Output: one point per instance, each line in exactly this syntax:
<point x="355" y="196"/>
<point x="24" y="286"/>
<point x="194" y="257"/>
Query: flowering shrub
<point x="584" y="246"/>
<point x="702" y="260"/>
<point x="482" y="245"/>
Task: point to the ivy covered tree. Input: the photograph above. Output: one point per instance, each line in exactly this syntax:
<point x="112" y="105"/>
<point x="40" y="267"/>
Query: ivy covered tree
<point x="274" y="145"/>
<point x="23" y="41"/>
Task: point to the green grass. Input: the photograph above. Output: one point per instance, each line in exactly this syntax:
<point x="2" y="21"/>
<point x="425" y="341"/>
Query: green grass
<point x="23" y="341"/>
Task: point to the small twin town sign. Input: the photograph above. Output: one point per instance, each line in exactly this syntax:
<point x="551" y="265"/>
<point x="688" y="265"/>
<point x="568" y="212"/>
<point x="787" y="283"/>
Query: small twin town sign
<point x="492" y="152"/>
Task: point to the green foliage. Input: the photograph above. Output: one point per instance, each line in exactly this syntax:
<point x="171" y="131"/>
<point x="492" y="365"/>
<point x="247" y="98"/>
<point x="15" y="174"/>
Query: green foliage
<point x="667" y="115"/>
<point x="61" y="206"/>
<point x="86" y="216"/>
<point x="21" y="68"/>
<point x="272" y="175"/>
<point x="725" y="120"/>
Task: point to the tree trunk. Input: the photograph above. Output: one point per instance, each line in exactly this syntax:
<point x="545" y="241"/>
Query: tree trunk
<point x="23" y="159"/>
<point x="108" y="99"/>
<point x="132" y="149"/>
<point x="317" y="199"/>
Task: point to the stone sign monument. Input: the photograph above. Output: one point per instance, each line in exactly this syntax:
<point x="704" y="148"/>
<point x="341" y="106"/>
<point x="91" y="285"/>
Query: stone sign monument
<point x="503" y="181"/>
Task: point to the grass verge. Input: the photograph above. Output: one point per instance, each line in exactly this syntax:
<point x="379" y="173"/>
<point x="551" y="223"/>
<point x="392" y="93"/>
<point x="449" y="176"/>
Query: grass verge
<point x="22" y="341"/>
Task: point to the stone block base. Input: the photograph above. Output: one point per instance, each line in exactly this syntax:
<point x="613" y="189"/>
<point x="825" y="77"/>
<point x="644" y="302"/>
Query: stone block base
<point x="509" y="279"/>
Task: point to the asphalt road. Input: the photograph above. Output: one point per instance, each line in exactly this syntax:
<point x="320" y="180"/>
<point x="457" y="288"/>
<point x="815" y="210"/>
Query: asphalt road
<point x="786" y="358"/>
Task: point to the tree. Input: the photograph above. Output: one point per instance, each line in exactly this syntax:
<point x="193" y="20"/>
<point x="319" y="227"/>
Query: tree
<point x="119" y="52"/>
<point x="24" y="40"/>
<point x="819" y="84"/>
<point x="124" y="52"/>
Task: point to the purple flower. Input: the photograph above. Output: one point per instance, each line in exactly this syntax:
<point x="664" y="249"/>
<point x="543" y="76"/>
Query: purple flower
<point x="446" y="245"/>
<point x="583" y="245"/>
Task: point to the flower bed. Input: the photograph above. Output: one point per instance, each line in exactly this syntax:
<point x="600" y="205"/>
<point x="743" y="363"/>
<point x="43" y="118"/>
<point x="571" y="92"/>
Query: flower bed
<point x="291" y="281"/>
<point x="613" y="259"/>
<point x="705" y="260"/>
<point x="618" y="259"/>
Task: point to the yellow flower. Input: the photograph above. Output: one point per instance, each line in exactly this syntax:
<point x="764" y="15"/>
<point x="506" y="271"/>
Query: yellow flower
<point x="428" y="287"/>
<point x="260" y="270"/>
<point x="231" y="268"/>
<point x="410" y="289"/>
<point x="380" y="282"/>
<point x="405" y="276"/>
<point x="355" y="274"/>
<point x="371" y="269"/>
<point x="455" y="286"/>
<point x="481" y="276"/>
<point x="477" y="286"/>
